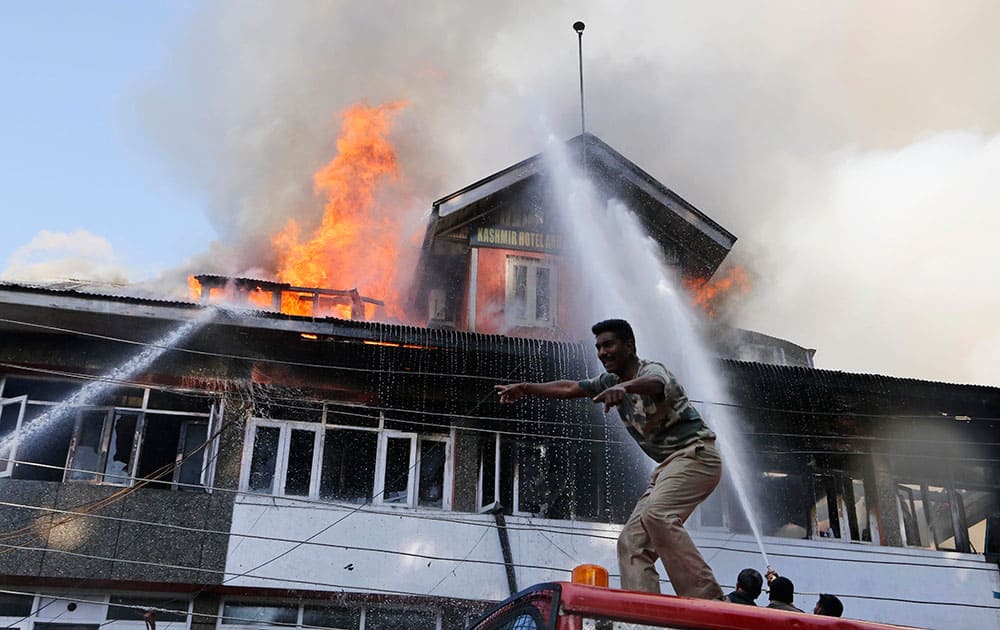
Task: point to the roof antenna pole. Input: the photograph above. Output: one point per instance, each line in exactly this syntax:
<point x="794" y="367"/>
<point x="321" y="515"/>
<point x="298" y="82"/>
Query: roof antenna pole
<point x="578" y="27"/>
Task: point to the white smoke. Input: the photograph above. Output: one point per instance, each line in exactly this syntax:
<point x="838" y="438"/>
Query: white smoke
<point x="65" y="256"/>
<point x="804" y="129"/>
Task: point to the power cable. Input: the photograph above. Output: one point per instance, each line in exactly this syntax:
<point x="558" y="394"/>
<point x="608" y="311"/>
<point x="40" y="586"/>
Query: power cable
<point x="467" y="376"/>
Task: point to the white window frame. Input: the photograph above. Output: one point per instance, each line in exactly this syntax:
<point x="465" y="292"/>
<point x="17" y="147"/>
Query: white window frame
<point x="446" y="481"/>
<point x="531" y="292"/>
<point x="382" y="460"/>
<point x="496" y="479"/>
<point x="100" y="475"/>
<point x="280" y="472"/>
<point x="7" y="468"/>
<point x="285" y="427"/>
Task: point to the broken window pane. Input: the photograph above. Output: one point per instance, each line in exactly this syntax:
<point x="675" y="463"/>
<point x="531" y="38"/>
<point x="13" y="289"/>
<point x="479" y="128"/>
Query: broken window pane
<point x="784" y="500"/>
<point x="48" y="448"/>
<point x="264" y="460"/>
<point x="11" y="417"/>
<point x="432" y="454"/>
<point x="397" y="470"/>
<point x="192" y="449"/>
<point x="826" y="515"/>
<point x="118" y="462"/>
<point x="85" y="461"/>
<point x="348" y="472"/>
<point x="908" y="511"/>
<point x="487" y="471"/>
<point x="530" y="478"/>
<point x="976" y="506"/>
<point x="938" y="503"/>
<point x="300" y="460"/>
<point x="161" y="435"/>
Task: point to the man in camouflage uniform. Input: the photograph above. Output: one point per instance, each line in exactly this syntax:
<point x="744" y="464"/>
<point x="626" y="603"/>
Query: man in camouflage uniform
<point x="656" y="412"/>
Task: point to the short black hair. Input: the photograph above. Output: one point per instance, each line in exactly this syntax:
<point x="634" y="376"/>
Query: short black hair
<point x="830" y="605"/>
<point x="621" y="328"/>
<point x="782" y="590"/>
<point x="750" y="581"/>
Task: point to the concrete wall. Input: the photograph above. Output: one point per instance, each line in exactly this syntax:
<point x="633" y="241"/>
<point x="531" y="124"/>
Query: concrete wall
<point x="922" y="588"/>
<point x="105" y="545"/>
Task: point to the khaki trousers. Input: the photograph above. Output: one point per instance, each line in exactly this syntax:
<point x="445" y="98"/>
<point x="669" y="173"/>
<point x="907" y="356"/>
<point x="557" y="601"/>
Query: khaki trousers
<point x="656" y="527"/>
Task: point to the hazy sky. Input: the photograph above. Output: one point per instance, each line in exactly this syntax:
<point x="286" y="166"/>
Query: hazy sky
<point x="853" y="147"/>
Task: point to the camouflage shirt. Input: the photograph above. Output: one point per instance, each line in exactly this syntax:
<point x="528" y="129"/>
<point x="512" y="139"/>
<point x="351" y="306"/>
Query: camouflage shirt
<point x="676" y="423"/>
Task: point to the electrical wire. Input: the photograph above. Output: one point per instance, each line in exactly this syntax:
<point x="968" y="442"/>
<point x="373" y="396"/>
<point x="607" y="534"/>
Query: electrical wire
<point x="423" y="422"/>
<point x="237" y="357"/>
<point x="467" y="376"/>
<point x="506" y="419"/>
<point x="551" y="528"/>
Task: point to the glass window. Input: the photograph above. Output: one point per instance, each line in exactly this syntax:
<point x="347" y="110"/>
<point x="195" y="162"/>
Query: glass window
<point x="784" y="499"/>
<point x="39" y="389"/>
<point x="102" y="448"/>
<point x="542" y="301"/>
<point x="396" y="481"/>
<point x="298" y="474"/>
<point x="348" y="472"/>
<point x="488" y="468"/>
<point x="248" y="614"/>
<point x="530" y="478"/>
<point x="976" y="505"/>
<point x="531" y="291"/>
<point x="332" y="617"/>
<point x="11" y="419"/>
<point x="119" y="454"/>
<point x="15" y="605"/>
<point x="192" y="450"/>
<point x="430" y="491"/>
<point x="826" y="515"/>
<point x="264" y="459"/>
<point x="85" y="458"/>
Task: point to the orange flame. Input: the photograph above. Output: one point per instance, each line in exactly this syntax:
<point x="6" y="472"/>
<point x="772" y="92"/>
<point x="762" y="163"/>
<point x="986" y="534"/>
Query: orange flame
<point x="710" y="294"/>
<point x="356" y="243"/>
<point x="194" y="289"/>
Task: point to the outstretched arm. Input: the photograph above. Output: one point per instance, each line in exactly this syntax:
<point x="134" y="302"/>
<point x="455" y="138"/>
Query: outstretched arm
<point x="614" y="395"/>
<point x="551" y="389"/>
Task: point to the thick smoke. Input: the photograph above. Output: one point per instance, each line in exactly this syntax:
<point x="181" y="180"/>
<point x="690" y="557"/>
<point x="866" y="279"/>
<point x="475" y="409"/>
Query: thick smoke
<point x="848" y="145"/>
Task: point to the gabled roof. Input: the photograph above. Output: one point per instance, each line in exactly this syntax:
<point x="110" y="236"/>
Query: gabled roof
<point x="667" y="215"/>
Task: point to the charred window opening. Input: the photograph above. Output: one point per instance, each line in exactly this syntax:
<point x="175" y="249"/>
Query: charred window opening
<point x="348" y="470"/>
<point x="947" y="517"/>
<point x="103" y="447"/>
<point x="131" y="434"/>
<point x="348" y="463"/>
<point x="513" y="475"/>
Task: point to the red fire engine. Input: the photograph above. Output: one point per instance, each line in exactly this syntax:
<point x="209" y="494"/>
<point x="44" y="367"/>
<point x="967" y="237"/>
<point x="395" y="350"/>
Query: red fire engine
<point x="587" y="604"/>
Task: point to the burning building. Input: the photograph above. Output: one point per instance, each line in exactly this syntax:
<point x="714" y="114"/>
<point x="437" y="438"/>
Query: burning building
<point x="291" y="462"/>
